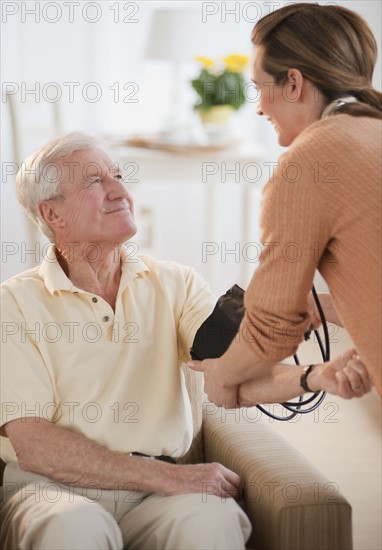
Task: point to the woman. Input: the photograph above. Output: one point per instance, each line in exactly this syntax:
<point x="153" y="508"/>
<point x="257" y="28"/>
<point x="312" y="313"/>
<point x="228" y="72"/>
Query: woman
<point x="313" y="67"/>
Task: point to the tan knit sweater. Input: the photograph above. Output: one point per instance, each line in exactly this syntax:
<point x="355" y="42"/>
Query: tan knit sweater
<point x="321" y="209"/>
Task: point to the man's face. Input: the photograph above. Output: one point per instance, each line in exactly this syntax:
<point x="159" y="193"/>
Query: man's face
<point x="96" y="206"/>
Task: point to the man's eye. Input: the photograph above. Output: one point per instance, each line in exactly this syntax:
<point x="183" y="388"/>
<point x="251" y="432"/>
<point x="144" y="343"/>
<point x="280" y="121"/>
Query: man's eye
<point x="95" y="181"/>
<point x="119" y="177"/>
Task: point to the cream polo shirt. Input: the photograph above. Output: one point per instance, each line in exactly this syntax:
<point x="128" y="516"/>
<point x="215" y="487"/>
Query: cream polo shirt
<point x="114" y="377"/>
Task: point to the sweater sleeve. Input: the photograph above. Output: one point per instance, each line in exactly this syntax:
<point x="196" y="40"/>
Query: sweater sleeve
<point x="295" y="238"/>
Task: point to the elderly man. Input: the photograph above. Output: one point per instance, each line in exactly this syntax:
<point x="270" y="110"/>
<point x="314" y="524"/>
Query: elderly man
<point x="92" y="385"/>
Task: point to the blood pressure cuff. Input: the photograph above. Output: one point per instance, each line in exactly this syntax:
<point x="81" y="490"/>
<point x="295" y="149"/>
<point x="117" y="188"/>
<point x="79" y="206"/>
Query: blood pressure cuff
<point x="217" y="332"/>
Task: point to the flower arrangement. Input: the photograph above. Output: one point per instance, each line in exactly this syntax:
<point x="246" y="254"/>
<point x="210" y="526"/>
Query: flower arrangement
<point x="220" y="84"/>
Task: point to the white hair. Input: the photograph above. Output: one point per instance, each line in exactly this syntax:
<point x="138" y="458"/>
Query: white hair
<point x="39" y="176"/>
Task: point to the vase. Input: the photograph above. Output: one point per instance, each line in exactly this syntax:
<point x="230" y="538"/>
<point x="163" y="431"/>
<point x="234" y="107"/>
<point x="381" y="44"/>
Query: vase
<point x="218" y="114"/>
<point x="216" y="123"/>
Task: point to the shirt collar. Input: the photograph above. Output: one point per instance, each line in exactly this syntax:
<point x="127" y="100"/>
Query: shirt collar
<point x="56" y="280"/>
<point x="334" y="105"/>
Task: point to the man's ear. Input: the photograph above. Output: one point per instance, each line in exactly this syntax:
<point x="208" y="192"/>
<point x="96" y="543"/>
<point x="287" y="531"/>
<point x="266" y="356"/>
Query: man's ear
<point x="295" y="85"/>
<point x="49" y="214"/>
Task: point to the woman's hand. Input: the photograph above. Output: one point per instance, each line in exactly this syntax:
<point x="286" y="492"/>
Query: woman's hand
<point x="346" y="376"/>
<point x="222" y="396"/>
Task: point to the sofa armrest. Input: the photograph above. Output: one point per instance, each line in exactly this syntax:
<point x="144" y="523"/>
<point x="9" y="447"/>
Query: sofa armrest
<point x="291" y="505"/>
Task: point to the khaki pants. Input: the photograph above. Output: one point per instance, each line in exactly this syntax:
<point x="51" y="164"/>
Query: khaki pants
<point x="38" y="513"/>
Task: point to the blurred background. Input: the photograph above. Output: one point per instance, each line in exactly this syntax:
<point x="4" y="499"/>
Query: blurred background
<point x="122" y="71"/>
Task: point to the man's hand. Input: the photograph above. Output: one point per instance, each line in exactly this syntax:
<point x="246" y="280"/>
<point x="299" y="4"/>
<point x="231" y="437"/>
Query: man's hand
<point x="211" y="479"/>
<point x="71" y="458"/>
<point x="222" y="396"/>
<point x="346" y="376"/>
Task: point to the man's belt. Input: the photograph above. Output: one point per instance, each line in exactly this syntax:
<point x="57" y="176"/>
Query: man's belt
<point x="2" y="468"/>
<point x="163" y="458"/>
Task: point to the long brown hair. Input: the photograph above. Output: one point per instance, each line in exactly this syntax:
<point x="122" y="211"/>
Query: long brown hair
<point x="332" y="46"/>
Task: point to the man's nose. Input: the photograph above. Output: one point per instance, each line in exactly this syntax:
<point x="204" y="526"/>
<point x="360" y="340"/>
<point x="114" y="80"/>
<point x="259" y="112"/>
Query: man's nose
<point x="116" y="189"/>
<point x="259" y="111"/>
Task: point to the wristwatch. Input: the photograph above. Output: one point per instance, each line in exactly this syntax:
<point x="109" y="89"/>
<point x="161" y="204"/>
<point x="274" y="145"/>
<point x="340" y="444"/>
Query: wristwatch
<point x="304" y="376"/>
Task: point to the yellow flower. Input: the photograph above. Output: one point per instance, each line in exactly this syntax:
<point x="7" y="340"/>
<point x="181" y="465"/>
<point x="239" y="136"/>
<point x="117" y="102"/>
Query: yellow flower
<point x="206" y="62"/>
<point x="236" y="62"/>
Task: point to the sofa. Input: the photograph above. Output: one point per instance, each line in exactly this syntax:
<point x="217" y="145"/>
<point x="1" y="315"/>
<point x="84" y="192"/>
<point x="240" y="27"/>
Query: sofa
<point x="291" y="505"/>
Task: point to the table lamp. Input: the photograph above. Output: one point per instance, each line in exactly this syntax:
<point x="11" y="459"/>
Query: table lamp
<point x="172" y="38"/>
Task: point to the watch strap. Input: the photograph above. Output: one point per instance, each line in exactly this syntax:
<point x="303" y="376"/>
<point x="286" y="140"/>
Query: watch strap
<point x="304" y="376"/>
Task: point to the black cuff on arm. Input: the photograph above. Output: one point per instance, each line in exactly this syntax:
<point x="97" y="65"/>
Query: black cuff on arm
<point x="217" y="332"/>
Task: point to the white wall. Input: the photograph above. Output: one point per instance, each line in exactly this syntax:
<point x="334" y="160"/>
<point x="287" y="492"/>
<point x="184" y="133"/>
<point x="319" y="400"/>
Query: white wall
<point x="58" y="44"/>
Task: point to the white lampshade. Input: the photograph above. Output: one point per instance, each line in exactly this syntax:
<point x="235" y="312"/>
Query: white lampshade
<point x="173" y="35"/>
